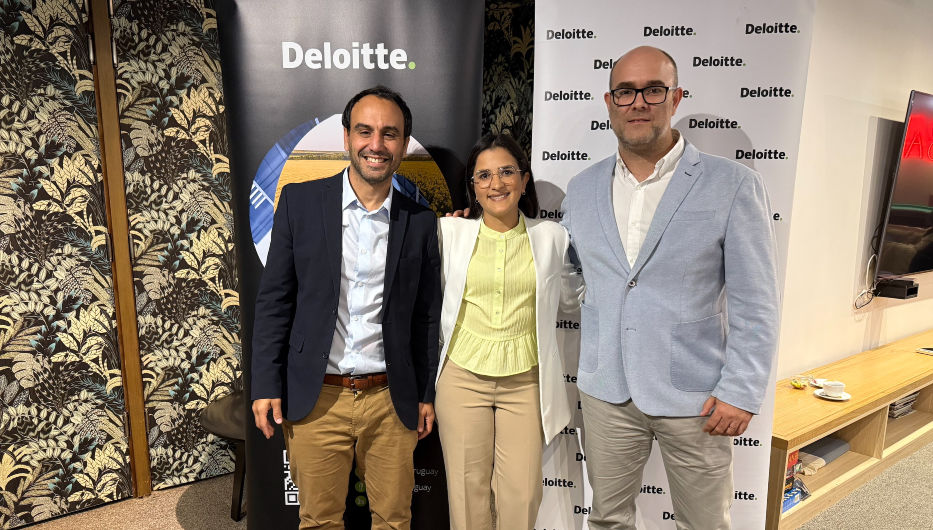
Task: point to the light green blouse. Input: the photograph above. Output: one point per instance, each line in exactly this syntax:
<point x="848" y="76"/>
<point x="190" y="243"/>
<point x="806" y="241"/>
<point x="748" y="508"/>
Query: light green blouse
<point x="495" y="332"/>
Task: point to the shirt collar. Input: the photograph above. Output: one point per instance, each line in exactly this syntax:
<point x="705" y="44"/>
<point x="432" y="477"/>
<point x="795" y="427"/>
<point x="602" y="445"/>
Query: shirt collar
<point x="667" y="163"/>
<point x="350" y="199"/>
<point x="515" y="231"/>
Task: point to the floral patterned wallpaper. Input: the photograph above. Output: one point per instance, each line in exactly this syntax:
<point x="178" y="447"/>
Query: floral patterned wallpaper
<point x="508" y="69"/>
<point x="63" y="442"/>
<point x="173" y="135"/>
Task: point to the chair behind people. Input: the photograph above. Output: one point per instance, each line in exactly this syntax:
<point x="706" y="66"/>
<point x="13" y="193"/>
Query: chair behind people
<point x="226" y="417"/>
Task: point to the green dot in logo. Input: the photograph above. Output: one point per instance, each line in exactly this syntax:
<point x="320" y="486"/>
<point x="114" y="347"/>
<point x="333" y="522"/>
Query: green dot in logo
<point x="360" y="501"/>
<point x="359" y="487"/>
<point x="411" y="65"/>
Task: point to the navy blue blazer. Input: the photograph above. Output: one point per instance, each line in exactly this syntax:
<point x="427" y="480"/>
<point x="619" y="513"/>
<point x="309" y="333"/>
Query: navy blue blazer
<point x="296" y="307"/>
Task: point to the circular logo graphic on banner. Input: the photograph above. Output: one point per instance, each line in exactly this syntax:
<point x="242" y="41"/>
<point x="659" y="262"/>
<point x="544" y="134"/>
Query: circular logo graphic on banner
<point x="314" y="150"/>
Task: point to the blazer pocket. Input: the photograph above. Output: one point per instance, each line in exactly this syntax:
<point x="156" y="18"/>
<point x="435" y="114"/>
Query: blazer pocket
<point x="697" y="354"/>
<point x="589" y="338"/>
<point x="693" y="215"/>
<point x="296" y="341"/>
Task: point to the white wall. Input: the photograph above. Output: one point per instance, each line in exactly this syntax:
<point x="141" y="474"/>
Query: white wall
<point x="865" y="58"/>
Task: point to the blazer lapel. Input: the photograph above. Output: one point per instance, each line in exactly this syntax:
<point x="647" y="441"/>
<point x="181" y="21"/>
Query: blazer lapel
<point x="607" y="215"/>
<point x="533" y="240"/>
<point x="460" y="253"/>
<point x="685" y="176"/>
<point x="331" y="195"/>
<point x="398" y="226"/>
<point x="463" y="250"/>
<point x="538" y="245"/>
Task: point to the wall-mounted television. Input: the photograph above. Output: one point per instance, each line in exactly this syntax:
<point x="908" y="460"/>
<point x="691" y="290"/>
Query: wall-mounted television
<point x="907" y="240"/>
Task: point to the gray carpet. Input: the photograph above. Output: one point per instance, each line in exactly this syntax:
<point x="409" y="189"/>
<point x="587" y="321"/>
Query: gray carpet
<point x="203" y="505"/>
<point x="900" y="498"/>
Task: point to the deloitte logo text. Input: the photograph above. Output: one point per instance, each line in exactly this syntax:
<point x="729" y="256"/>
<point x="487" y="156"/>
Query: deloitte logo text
<point x="363" y="56"/>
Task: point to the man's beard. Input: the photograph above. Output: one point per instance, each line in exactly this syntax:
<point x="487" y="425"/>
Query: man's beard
<point x="359" y="165"/>
<point x="640" y="143"/>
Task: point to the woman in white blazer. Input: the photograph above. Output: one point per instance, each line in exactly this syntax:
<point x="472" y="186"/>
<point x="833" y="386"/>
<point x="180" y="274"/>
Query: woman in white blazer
<point x="500" y="388"/>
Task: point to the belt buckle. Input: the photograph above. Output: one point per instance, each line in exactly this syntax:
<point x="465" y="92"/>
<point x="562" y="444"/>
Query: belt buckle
<point x="353" y="380"/>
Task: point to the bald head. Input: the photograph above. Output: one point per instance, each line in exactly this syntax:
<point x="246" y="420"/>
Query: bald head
<point x="649" y="55"/>
<point x="643" y="128"/>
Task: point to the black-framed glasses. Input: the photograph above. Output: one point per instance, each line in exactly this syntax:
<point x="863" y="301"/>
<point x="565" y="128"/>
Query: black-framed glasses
<point x="653" y="95"/>
<point x="507" y="174"/>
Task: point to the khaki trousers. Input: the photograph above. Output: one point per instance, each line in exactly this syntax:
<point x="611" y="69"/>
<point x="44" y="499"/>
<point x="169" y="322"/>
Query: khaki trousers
<point x="617" y="440"/>
<point x="490" y="430"/>
<point x="321" y="448"/>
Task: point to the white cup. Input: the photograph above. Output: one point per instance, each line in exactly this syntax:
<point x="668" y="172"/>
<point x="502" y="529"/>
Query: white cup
<point x="834" y="388"/>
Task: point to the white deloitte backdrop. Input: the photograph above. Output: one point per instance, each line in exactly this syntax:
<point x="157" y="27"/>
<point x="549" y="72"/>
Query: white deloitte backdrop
<point x="743" y="67"/>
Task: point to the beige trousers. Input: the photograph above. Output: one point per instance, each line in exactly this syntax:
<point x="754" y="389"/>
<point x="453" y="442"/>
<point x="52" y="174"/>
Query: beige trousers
<point x="321" y="448"/>
<point x="617" y="440"/>
<point x="490" y="430"/>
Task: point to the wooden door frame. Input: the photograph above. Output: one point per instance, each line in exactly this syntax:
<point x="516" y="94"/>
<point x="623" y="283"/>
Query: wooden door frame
<point x="122" y="258"/>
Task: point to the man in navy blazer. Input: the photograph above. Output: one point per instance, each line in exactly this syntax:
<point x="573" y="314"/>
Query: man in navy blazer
<point x="679" y="326"/>
<point x="345" y="342"/>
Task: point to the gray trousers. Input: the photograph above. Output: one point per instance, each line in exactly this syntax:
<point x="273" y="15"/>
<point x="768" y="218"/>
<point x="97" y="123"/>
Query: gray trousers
<point x="617" y="440"/>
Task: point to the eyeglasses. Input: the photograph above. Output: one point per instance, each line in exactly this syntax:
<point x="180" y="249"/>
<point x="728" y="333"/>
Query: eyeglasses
<point x="483" y="179"/>
<point x="653" y="95"/>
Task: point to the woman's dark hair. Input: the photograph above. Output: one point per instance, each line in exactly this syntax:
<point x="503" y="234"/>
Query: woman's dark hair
<point x="380" y="92"/>
<point x="527" y="203"/>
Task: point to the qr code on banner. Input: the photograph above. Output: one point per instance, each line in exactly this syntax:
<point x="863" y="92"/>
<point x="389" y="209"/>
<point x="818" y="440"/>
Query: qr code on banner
<point x="291" y="490"/>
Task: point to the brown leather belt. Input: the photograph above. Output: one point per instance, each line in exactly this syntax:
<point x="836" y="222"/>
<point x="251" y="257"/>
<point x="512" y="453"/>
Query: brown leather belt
<point x="357" y="383"/>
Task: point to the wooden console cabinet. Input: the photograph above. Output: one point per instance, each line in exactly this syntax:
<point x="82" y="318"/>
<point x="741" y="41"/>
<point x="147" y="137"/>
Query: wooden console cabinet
<point x="874" y="378"/>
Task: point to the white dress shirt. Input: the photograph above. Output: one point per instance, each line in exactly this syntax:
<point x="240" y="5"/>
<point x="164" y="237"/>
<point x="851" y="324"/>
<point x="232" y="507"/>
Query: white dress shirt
<point x="357" y="347"/>
<point x="635" y="202"/>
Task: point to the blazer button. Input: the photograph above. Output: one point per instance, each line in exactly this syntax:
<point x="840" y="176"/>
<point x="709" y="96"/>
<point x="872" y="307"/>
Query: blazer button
<point x="324" y="355"/>
<point x="632" y="283"/>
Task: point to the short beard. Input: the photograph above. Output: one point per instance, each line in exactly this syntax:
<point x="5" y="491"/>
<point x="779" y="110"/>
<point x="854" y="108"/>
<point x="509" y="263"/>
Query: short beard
<point x="644" y="144"/>
<point x="355" y="161"/>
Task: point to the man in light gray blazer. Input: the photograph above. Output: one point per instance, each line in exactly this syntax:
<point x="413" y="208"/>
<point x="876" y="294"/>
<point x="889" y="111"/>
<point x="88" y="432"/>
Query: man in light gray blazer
<point x="680" y="322"/>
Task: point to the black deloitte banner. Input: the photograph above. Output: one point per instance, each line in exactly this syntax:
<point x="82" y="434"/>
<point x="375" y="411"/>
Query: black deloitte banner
<point x="289" y="68"/>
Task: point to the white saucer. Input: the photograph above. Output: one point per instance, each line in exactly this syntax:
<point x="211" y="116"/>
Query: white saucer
<point x="844" y="397"/>
<point x="818" y="383"/>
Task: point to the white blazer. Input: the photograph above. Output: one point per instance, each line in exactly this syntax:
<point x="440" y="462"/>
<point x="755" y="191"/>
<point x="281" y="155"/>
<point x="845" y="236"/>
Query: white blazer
<point x="557" y="283"/>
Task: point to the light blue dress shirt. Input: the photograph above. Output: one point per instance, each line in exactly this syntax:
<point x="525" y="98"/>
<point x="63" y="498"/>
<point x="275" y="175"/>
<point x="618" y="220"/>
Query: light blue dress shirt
<point x="357" y="347"/>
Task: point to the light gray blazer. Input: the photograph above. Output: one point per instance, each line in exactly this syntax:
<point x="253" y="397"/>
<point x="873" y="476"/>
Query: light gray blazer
<point x="698" y="313"/>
